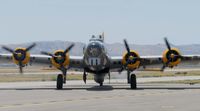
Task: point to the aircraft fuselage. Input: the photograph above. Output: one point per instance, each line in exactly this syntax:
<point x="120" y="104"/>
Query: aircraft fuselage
<point x="95" y="57"/>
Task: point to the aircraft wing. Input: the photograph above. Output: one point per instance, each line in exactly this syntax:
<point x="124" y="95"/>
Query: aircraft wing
<point x="43" y="60"/>
<point x="152" y="61"/>
<point x="76" y="62"/>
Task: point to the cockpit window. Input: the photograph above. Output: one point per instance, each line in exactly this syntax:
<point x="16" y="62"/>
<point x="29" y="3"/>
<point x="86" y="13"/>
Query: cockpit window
<point x="96" y="38"/>
<point x="94" y="49"/>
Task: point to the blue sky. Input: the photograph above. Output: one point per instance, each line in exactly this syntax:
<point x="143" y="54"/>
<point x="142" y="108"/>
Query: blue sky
<point x="139" y="21"/>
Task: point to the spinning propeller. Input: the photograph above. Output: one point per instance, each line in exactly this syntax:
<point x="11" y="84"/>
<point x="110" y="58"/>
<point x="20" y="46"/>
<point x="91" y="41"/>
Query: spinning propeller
<point x="60" y="57"/>
<point x="21" y="56"/>
<point x="131" y="57"/>
<point x="172" y="55"/>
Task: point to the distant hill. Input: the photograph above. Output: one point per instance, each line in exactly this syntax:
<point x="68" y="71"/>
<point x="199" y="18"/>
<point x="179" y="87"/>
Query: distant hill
<point x="116" y="49"/>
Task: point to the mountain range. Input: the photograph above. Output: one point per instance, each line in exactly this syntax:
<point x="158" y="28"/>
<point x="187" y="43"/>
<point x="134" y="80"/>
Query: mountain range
<point x="114" y="49"/>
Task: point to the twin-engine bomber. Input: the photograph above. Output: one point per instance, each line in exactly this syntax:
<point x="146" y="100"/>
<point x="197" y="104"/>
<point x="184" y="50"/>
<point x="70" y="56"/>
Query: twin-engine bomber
<point x="95" y="60"/>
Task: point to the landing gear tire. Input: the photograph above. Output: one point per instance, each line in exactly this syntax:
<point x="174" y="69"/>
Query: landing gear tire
<point x="133" y="82"/>
<point x="59" y="81"/>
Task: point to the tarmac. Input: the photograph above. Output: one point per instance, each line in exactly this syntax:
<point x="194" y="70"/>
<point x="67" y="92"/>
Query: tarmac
<point x="116" y="96"/>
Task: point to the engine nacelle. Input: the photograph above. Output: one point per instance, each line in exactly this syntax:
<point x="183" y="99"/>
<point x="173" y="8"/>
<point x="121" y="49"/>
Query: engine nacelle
<point x="21" y="55"/>
<point x="60" y="59"/>
<point x="171" y="56"/>
<point x="133" y="59"/>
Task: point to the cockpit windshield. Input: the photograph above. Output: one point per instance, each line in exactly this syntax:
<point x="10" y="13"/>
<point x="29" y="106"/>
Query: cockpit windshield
<point x="94" y="49"/>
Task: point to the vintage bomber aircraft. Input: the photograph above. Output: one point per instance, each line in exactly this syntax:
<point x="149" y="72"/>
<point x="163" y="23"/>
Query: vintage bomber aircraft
<point x="96" y="60"/>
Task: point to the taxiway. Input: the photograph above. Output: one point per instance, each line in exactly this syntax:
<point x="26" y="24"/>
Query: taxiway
<point x="42" y="96"/>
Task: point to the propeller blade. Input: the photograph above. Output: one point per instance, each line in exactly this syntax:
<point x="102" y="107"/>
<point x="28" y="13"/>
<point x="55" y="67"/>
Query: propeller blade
<point x="167" y="43"/>
<point x="120" y="70"/>
<point x="69" y="48"/>
<point x="179" y="56"/>
<point x="127" y="46"/>
<point x="8" y="49"/>
<point x="128" y="76"/>
<point x="47" y="53"/>
<point x="163" y="67"/>
<point x="123" y="67"/>
<point x="30" y="47"/>
<point x="20" y="69"/>
<point x="166" y="64"/>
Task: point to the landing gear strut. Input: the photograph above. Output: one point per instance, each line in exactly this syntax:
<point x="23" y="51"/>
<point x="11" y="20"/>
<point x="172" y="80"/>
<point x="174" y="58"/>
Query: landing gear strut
<point x="128" y="77"/>
<point x="65" y="74"/>
<point x="59" y="81"/>
<point x="133" y="82"/>
<point x="64" y="71"/>
<point x="84" y="77"/>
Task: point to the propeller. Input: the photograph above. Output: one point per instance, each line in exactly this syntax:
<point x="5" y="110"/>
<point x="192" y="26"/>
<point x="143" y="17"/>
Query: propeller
<point x="19" y="55"/>
<point x="130" y="58"/>
<point x="62" y="68"/>
<point x="172" y="55"/>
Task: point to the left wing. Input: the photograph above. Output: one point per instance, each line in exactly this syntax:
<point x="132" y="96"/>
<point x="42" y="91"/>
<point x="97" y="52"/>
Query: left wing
<point x="44" y="60"/>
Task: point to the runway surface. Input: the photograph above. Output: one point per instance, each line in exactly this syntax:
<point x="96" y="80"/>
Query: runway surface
<point x="76" y="96"/>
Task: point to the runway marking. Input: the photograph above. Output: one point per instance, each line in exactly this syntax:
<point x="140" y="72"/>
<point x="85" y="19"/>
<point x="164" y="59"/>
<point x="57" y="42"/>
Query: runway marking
<point x="167" y="107"/>
<point x="96" y="97"/>
<point x="68" y="100"/>
<point x="84" y="99"/>
<point x="52" y="101"/>
<point x="35" y="103"/>
<point x="109" y="96"/>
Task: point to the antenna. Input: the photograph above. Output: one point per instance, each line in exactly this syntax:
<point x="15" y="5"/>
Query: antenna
<point x="102" y="35"/>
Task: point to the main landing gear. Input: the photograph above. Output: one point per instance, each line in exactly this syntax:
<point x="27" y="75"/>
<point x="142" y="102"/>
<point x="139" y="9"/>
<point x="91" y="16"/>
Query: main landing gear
<point x="133" y="81"/>
<point x="60" y="79"/>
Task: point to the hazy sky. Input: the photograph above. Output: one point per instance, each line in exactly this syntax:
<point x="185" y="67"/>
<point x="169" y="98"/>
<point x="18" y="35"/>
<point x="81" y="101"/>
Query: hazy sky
<point x="139" y="21"/>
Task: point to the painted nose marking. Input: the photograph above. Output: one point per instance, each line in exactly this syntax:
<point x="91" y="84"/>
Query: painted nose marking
<point x="94" y="61"/>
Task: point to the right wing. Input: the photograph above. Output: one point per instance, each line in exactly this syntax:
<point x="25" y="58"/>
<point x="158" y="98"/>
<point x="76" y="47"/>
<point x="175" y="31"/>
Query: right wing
<point x="152" y="61"/>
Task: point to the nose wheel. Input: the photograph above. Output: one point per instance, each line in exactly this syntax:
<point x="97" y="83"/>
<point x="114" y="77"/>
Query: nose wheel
<point x="133" y="81"/>
<point x="101" y="84"/>
<point x="59" y="81"/>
